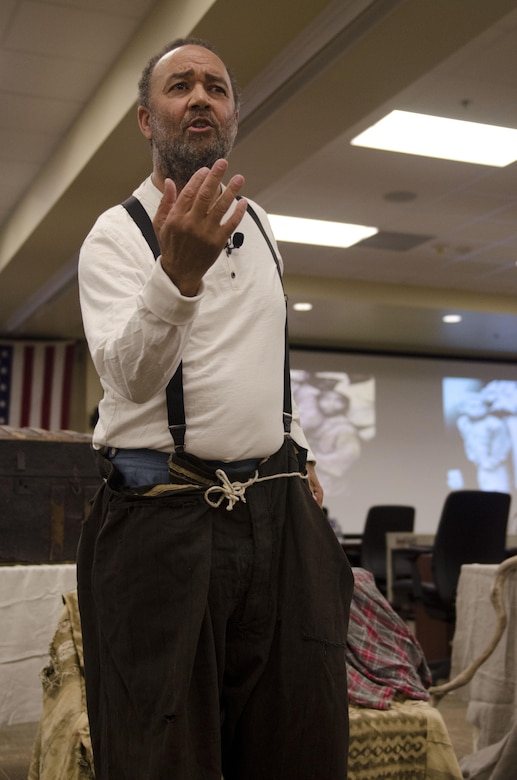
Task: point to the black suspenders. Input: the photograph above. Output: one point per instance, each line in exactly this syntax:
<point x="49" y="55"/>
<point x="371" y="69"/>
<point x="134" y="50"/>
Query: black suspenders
<point x="174" y="390"/>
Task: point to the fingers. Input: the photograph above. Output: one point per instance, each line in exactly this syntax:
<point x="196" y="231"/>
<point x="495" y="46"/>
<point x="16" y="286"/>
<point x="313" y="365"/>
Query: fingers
<point x="190" y="192"/>
<point x="233" y="221"/>
<point x="166" y="203"/>
<point x="202" y="195"/>
<point x="223" y="203"/>
<point x="210" y="187"/>
<point x="220" y="204"/>
<point x="314" y="484"/>
<point x="191" y="224"/>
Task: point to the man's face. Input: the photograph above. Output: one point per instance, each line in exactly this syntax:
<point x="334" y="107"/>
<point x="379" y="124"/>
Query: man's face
<point x="192" y="120"/>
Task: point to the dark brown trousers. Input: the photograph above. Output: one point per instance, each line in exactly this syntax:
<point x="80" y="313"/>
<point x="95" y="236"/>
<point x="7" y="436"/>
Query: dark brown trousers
<point x="213" y="639"/>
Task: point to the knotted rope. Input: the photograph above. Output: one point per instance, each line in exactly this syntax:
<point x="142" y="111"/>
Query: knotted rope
<point x="235" y="491"/>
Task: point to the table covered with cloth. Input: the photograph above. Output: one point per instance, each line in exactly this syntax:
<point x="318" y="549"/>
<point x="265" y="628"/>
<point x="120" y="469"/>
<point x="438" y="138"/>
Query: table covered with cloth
<point x="395" y="734"/>
<point x="30" y="604"/>
<point x="395" y="738"/>
<point x="492" y="692"/>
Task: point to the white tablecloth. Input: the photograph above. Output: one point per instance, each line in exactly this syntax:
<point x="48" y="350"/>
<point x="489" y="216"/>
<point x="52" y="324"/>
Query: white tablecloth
<point x="30" y="605"/>
<point x="492" y="694"/>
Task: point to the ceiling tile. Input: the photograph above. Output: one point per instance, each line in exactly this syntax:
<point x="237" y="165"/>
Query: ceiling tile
<point x="395" y="242"/>
<point x="53" y="116"/>
<point x="496" y="63"/>
<point x="6" y="12"/>
<point x="48" y="76"/>
<point x="132" y="8"/>
<point x="94" y="36"/>
<point x="483" y="230"/>
<point x="24" y="146"/>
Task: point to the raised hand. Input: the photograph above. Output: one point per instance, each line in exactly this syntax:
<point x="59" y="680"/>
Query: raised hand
<point x="188" y="225"/>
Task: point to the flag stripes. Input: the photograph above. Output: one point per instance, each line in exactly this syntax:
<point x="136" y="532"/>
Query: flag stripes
<point x="35" y="384"/>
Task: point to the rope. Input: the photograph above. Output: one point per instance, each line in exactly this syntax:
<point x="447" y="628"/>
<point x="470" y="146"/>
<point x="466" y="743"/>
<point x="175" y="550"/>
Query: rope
<point x="235" y="491"/>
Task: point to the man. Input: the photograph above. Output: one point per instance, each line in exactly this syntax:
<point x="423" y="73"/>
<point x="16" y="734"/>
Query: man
<point x="214" y="597"/>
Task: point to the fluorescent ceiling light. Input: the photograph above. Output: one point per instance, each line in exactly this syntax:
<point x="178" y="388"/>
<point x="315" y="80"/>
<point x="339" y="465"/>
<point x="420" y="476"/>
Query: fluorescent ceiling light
<point x="318" y="232"/>
<point x="447" y="139"/>
<point x="452" y="318"/>
<point x="302" y="306"/>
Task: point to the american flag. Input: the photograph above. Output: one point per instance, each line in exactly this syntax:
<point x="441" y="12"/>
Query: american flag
<point x="35" y="384"/>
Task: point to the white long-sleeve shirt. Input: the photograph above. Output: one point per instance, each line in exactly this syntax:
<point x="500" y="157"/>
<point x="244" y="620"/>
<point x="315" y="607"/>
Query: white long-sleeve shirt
<point x="230" y="338"/>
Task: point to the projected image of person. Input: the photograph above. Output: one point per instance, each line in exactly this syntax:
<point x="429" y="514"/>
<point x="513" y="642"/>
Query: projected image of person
<point x="487" y="443"/>
<point x="501" y="395"/>
<point x="334" y="438"/>
<point x="336" y="421"/>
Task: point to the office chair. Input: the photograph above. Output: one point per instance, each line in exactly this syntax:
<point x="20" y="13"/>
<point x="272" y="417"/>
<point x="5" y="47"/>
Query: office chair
<point x="379" y="521"/>
<point x="472" y="529"/>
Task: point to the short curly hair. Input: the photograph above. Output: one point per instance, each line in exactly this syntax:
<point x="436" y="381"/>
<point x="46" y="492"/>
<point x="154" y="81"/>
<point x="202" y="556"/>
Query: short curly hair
<point x="144" y="84"/>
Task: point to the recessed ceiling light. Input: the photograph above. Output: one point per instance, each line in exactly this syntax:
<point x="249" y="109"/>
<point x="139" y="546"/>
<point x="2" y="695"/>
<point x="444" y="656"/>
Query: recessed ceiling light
<point x="318" y="232"/>
<point x="302" y="306"/>
<point x="437" y="136"/>
<point x="452" y="318"/>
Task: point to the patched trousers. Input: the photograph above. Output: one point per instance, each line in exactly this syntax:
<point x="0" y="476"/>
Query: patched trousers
<point x="213" y="639"/>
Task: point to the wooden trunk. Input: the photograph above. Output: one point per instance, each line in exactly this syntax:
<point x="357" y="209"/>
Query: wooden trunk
<point x="47" y="480"/>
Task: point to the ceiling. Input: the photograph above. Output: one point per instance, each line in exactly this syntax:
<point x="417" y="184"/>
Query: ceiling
<point x="314" y="74"/>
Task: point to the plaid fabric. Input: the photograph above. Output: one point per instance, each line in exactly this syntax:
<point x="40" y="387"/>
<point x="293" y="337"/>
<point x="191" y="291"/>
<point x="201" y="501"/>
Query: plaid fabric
<point x="384" y="660"/>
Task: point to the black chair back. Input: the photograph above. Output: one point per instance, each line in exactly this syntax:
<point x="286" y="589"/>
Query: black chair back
<point x="472" y="529"/>
<point x="379" y="521"/>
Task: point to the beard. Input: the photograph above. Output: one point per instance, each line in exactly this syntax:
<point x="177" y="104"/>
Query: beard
<point x="178" y="156"/>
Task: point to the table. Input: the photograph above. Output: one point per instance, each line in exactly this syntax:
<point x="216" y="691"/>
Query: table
<point x="30" y="605"/>
<point x="492" y="693"/>
<point x="400" y="540"/>
<point x="408" y="740"/>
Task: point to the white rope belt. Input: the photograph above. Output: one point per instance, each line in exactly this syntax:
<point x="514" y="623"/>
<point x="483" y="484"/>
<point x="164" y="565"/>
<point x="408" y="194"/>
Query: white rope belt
<point x="235" y="491"/>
